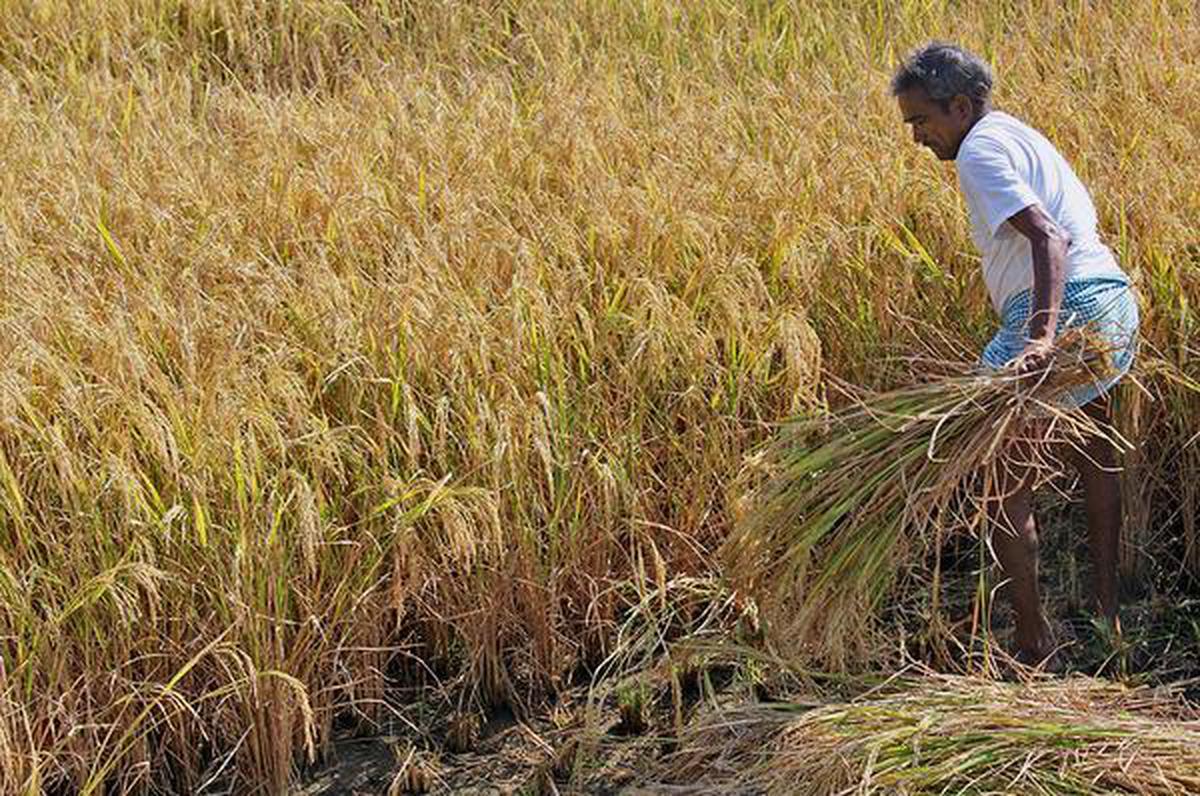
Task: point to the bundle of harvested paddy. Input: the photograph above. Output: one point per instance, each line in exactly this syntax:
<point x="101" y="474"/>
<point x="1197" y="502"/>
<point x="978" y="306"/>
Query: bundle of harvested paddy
<point x="942" y="734"/>
<point x="844" y="503"/>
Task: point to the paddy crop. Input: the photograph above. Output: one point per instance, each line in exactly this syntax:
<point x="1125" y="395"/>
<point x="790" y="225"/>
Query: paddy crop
<point x="349" y="346"/>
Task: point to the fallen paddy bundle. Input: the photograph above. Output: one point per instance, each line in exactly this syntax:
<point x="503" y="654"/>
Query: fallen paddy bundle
<point x="944" y="734"/>
<point x="839" y="505"/>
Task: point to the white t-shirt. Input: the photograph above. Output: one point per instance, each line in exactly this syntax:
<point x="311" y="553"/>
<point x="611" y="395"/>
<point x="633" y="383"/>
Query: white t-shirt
<point x="1005" y="166"/>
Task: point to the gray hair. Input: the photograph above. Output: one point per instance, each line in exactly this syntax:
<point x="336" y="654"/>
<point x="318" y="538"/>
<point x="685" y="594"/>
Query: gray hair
<point x="945" y="71"/>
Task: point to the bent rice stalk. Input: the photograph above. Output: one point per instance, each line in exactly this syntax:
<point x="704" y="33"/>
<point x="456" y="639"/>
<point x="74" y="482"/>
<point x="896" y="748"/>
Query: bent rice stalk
<point x="838" y="506"/>
<point x="932" y="734"/>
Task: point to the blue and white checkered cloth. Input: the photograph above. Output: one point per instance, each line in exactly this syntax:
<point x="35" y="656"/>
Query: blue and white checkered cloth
<point x="1106" y="304"/>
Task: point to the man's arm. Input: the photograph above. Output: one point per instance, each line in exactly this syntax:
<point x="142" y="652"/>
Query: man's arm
<point x="1049" y="243"/>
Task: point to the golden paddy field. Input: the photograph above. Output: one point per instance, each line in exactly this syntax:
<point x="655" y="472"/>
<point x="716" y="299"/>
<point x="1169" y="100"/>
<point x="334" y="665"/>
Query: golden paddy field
<point x="355" y="349"/>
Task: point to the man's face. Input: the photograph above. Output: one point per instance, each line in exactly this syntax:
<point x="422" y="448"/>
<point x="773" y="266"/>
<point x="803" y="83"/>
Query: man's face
<point x="942" y="130"/>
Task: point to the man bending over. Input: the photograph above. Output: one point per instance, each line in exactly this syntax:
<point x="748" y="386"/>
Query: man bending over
<point x="1045" y="268"/>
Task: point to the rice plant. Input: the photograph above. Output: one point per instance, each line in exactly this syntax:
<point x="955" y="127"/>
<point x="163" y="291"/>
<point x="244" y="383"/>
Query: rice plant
<point x="921" y="733"/>
<point x="842" y="504"/>
<point x="355" y="346"/>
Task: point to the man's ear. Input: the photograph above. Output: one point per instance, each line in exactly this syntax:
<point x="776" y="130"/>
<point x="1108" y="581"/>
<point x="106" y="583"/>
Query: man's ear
<point x="962" y="106"/>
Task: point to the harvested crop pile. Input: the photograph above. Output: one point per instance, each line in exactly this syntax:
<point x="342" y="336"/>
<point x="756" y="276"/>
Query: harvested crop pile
<point x="942" y="734"/>
<point x="838" y="506"/>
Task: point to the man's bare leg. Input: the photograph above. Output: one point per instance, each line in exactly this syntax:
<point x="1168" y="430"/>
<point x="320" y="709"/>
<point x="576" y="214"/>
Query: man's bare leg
<point x="1015" y="538"/>
<point x="1102" y="499"/>
<point x="1015" y="541"/>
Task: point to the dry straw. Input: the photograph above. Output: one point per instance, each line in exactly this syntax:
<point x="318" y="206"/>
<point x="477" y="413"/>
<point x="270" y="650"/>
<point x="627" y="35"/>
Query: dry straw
<point x="937" y="734"/>
<point x="840" y="505"/>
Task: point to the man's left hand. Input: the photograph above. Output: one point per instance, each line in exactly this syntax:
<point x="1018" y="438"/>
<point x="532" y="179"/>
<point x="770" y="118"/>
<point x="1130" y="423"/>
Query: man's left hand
<point x="1035" y="358"/>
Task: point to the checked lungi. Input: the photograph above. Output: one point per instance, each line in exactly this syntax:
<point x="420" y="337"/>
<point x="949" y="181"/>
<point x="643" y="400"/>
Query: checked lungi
<point x="1106" y="304"/>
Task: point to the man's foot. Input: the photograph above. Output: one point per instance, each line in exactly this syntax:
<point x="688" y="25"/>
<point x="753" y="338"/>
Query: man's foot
<point x="1035" y="644"/>
<point x="1024" y="665"/>
<point x="1040" y="662"/>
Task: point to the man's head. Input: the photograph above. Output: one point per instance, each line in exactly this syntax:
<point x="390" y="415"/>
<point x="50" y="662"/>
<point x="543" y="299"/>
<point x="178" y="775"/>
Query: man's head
<point x="942" y="90"/>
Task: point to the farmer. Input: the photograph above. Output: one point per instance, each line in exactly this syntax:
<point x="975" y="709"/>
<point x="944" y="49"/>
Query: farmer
<point x="1045" y="268"/>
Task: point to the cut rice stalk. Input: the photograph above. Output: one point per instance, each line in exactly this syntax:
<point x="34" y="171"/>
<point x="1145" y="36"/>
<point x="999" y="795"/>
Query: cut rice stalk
<point x="843" y="503"/>
<point x="936" y="734"/>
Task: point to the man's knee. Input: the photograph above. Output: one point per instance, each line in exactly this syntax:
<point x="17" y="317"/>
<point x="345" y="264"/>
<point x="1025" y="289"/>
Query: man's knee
<point x="1097" y="464"/>
<point x="1015" y="537"/>
<point x="1021" y="538"/>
